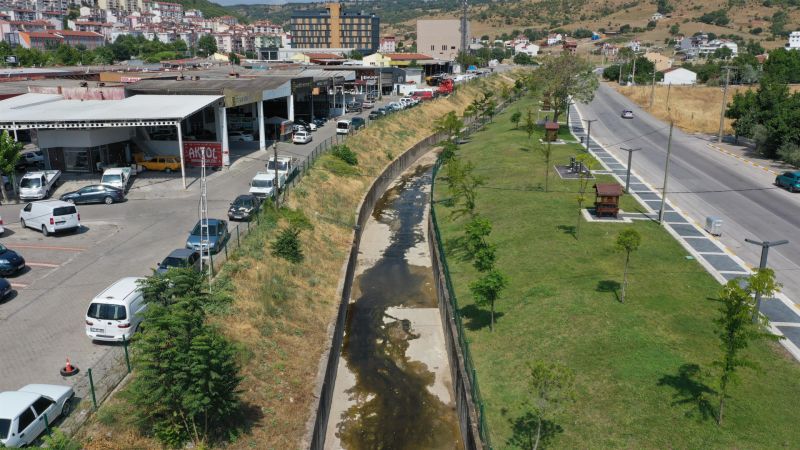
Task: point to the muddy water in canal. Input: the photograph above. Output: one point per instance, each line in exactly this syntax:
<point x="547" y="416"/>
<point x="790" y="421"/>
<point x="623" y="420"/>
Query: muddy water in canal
<point x="393" y="385"/>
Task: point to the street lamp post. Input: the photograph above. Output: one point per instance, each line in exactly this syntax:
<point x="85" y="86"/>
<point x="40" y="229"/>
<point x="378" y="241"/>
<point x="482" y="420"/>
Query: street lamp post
<point x="630" y="159"/>
<point x="589" y="131"/>
<point x="666" y="176"/>
<point x="763" y="265"/>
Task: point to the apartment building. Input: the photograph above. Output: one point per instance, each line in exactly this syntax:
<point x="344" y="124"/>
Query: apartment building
<point x="440" y="39"/>
<point x="335" y="27"/>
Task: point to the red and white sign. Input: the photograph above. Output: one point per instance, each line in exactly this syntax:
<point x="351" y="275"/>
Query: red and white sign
<point x="193" y="153"/>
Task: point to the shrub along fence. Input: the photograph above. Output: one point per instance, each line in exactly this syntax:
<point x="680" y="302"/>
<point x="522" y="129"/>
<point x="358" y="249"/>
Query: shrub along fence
<point x="473" y="425"/>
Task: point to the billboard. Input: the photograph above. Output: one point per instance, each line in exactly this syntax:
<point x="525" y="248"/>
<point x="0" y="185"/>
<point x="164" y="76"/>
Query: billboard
<point x="193" y="152"/>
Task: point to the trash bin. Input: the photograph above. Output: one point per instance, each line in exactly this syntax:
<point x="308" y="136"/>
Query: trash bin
<point x="714" y="226"/>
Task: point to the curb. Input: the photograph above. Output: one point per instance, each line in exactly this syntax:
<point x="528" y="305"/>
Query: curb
<point x="793" y="349"/>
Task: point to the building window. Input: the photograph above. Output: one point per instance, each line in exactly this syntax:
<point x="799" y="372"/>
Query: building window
<point x="433" y="47"/>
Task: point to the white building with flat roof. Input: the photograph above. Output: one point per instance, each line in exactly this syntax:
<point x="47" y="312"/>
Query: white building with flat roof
<point x="794" y="41"/>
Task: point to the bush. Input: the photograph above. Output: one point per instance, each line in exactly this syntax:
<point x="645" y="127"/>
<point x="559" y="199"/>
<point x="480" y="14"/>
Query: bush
<point x="718" y="17"/>
<point x="756" y="30"/>
<point x="790" y="153"/>
<point x="344" y="153"/>
<point x="287" y="246"/>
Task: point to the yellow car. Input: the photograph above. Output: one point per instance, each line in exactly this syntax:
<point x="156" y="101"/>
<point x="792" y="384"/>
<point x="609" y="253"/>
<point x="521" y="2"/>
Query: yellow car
<point x="165" y="163"/>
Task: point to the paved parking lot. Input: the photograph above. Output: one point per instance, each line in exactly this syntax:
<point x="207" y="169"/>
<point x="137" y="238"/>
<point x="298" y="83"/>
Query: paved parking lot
<point x="42" y="323"/>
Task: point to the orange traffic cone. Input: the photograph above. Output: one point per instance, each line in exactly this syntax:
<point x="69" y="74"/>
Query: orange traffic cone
<point x="69" y="370"/>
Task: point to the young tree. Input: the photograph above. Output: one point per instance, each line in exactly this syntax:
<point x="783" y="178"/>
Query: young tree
<point x="547" y="153"/>
<point x="530" y="124"/>
<point x="628" y="241"/>
<point x="490" y="109"/>
<point x="551" y="387"/>
<point x="583" y="184"/>
<point x="9" y="156"/>
<point x="736" y="331"/>
<point x="482" y="253"/>
<point x="487" y="289"/>
<point x="449" y="124"/>
<point x="762" y="284"/>
<point x="564" y="77"/>
<point x="462" y="185"/>
<point x="515" y="118"/>
<point x="187" y="380"/>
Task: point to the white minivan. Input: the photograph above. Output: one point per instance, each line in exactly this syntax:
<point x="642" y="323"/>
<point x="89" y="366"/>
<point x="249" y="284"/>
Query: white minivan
<point x="115" y="314"/>
<point x="50" y="216"/>
<point x="343" y="127"/>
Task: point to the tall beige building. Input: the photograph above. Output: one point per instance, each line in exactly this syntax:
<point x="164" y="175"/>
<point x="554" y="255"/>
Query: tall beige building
<point x="440" y="39"/>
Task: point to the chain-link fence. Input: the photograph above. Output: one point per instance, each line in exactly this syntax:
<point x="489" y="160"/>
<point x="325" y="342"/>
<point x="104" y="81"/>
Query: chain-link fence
<point x="469" y="401"/>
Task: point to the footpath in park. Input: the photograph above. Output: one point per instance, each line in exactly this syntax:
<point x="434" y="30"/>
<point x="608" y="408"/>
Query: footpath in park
<point x="717" y="259"/>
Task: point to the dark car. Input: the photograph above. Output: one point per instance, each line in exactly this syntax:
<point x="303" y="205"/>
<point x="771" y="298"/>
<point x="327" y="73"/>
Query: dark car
<point x="95" y="193"/>
<point x="354" y="107"/>
<point x="374" y="115"/>
<point x="181" y="257"/>
<point x="789" y="180"/>
<point x="357" y="122"/>
<point x="245" y="207"/>
<point x="214" y="241"/>
<point x="319" y="121"/>
<point x="384" y="111"/>
<point x="10" y="261"/>
<point x="5" y="288"/>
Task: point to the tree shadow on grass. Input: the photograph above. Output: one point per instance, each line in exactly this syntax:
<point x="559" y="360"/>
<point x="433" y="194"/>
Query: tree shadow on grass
<point x="457" y="248"/>
<point x="478" y="318"/>
<point x="568" y="229"/>
<point x="524" y="431"/>
<point x="525" y="149"/>
<point x="609" y="286"/>
<point x="691" y="391"/>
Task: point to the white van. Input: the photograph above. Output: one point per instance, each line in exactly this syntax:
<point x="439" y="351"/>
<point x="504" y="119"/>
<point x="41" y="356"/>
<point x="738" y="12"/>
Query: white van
<point x="343" y="127"/>
<point x="116" y="313"/>
<point x="50" y="216"/>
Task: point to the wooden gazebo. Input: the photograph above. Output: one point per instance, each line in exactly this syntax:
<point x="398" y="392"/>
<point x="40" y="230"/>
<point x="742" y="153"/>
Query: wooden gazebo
<point x="606" y="202"/>
<point x="550" y="131"/>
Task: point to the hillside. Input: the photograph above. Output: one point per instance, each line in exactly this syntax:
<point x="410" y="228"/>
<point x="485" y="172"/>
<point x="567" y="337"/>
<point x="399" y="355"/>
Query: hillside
<point x="747" y="18"/>
<point x="211" y="9"/>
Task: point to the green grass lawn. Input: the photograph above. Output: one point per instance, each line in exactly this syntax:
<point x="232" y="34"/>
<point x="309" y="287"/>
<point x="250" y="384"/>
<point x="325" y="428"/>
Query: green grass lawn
<point x="633" y="361"/>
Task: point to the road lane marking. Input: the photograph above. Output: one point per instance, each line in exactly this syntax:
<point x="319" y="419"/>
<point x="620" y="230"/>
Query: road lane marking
<point x="37" y="264"/>
<point x="45" y="247"/>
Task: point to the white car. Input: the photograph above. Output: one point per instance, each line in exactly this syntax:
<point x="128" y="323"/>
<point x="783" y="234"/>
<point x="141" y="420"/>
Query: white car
<point x="23" y="412"/>
<point x="301" y="137"/>
<point x="297" y="127"/>
<point x="627" y="114"/>
<point x="240" y="136"/>
<point x="50" y="216"/>
<point x="2" y="230"/>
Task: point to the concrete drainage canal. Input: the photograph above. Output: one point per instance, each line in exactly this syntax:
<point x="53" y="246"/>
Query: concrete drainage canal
<point x="393" y="386"/>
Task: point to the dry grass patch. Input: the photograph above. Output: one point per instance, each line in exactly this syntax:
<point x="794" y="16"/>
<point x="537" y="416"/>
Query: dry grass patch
<point x="693" y="108"/>
<point x="282" y="312"/>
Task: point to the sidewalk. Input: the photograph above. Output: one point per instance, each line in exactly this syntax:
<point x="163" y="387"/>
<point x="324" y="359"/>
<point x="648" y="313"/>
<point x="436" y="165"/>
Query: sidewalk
<point x="745" y="152"/>
<point x="718" y="260"/>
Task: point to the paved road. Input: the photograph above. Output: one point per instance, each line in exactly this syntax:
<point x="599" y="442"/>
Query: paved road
<point x="705" y="182"/>
<point x="44" y="322"/>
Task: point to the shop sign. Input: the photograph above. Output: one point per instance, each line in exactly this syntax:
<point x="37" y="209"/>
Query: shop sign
<point x="193" y="153"/>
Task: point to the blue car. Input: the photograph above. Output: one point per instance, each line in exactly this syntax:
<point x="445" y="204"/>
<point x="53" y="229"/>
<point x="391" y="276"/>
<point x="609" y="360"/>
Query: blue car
<point x="5" y="288"/>
<point x="789" y="180"/>
<point x="10" y="262"/>
<point x="216" y="239"/>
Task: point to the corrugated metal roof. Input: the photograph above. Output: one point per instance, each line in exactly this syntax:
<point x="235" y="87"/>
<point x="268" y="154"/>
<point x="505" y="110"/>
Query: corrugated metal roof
<point x="207" y="85"/>
<point x="53" y="108"/>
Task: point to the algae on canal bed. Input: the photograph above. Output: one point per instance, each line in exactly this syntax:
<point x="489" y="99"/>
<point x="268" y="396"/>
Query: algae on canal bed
<point x="393" y="403"/>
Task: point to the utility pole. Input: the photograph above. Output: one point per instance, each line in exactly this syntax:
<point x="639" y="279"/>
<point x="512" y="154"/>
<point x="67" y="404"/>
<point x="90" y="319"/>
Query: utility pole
<point x="669" y="87"/>
<point x="464" y="25"/>
<point x="620" y="73"/>
<point x="724" y="99"/>
<point x="633" y="75"/>
<point x="630" y="160"/>
<point x="666" y="176"/>
<point x="653" y="88"/>
<point x="763" y="265"/>
<point x="589" y="132"/>
<point x="275" y="192"/>
<point x="205" y="240"/>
